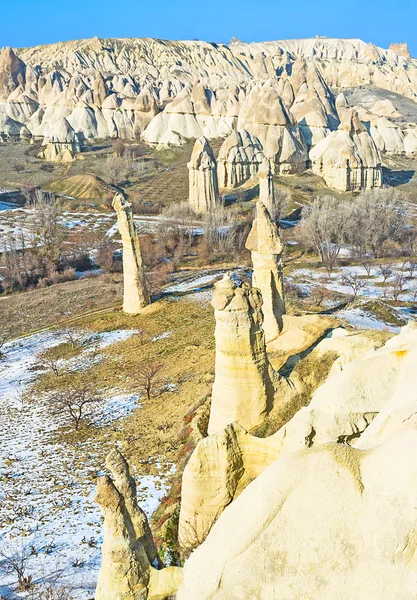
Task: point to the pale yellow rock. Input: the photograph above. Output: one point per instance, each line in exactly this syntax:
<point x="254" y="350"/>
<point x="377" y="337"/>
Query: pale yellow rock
<point x="126" y="572"/>
<point x="348" y="158"/>
<point x="221" y="466"/>
<point x="266" y="187"/>
<point x="264" y="243"/>
<point x="135" y="293"/>
<point x="298" y="334"/>
<point x="126" y="485"/>
<point x="239" y="159"/>
<point x="324" y="523"/>
<point x="243" y="389"/>
<point x="203" y="184"/>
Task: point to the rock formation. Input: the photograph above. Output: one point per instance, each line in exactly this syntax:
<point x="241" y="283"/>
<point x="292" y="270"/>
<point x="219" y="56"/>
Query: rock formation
<point x="62" y="145"/>
<point x="126" y="571"/>
<point x="135" y="293"/>
<point x="220" y="468"/>
<point x="265" y="116"/>
<point x="243" y="389"/>
<point x="203" y="186"/>
<point x="112" y="88"/>
<point x="266" y="187"/>
<point x="239" y="159"/>
<point x="342" y="516"/>
<point x="266" y="248"/>
<point x="348" y="159"/>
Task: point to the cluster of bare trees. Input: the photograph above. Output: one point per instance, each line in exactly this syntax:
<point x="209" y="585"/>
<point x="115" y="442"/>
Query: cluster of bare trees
<point x="15" y="564"/>
<point x="46" y="252"/>
<point x="371" y="225"/>
<point x="125" y="164"/>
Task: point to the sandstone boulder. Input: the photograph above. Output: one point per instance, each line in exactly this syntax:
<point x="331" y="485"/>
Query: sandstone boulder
<point x="126" y="572"/>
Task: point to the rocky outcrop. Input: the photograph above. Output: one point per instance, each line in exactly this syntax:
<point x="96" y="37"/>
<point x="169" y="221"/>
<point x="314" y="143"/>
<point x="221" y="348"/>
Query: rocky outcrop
<point x="63" y="144"/>
<point x="135" y="292"/>
<point x="124" y="482"/>
<point x="243" y="389"/>
<point x="170" y="92"/>
<point x="239" y="158"/>
<point x="266" y="249"/>
<point x="196" y="111"/>
<point x="126" y="571"/>
<point x="401" y="49"/>
<point x="348" y="158"/>
<point x="220" y="468"/>
<point x="266" y="187"/>
<point x="265" y="116"/>
<point x="203" y="184"/>
<point x="303" y="512"/>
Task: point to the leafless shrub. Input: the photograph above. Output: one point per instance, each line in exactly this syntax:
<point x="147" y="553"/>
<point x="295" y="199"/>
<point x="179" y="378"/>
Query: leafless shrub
<point x="354" y="282"/>
<point x="148" y="379"/>
<point x="78" y="403"/>
<point x="15" y="564"/>
<point x="386" y="271"/>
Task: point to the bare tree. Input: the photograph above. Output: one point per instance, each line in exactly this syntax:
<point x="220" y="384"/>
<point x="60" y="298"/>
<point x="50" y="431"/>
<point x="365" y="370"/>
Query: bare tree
<point x="44" y="223"/>
<point x="375" y="217"/>
<point x="282" y="199"/>
<point x="386" y="271"/>
<point x="368" y="264"/>
<point x="114" y="169"/>
<point x="148" y="379"/>
<point x="53" y="365"/>
<point x="78" y="403"/>
<point x="411" y="267"/>
<point x="75" y="337"/>
<point x="354" y="282"/>
<point x="15" y="564"/>
<point x="397" y="286"/>
<point x="322" y="229"/>
<point x="320" y="293"/>
<point x="18" y="167"/>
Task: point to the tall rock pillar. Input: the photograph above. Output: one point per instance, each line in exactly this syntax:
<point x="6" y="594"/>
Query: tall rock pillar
<point x="135" y="293"/>
<point x="266" y="187"/>
<point x="204" y="189"/>
<point x="265" y="245"/>
<point x="243" y="388"/>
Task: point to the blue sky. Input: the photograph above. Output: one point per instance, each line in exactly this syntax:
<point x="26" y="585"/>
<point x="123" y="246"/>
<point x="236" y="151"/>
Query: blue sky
<point x="32" y="22"/>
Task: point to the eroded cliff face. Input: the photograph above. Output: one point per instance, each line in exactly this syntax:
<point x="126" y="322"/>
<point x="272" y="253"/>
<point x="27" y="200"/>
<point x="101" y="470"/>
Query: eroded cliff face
<point x="337" y="501"/>
<point x="282" y="92"/>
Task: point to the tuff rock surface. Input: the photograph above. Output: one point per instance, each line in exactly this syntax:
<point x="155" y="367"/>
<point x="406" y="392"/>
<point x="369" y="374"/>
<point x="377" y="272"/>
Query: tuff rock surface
<point x="135" y="292"/>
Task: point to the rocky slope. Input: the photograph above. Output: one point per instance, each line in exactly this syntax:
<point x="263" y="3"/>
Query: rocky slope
<point x="126" y="87"/>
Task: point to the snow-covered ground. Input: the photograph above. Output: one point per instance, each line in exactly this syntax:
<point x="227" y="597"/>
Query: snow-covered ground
<point x="306" y="279"/>
<point x="13" y="223"/>
<point x="47" y="507"/>
<point x="364" y="320"/>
